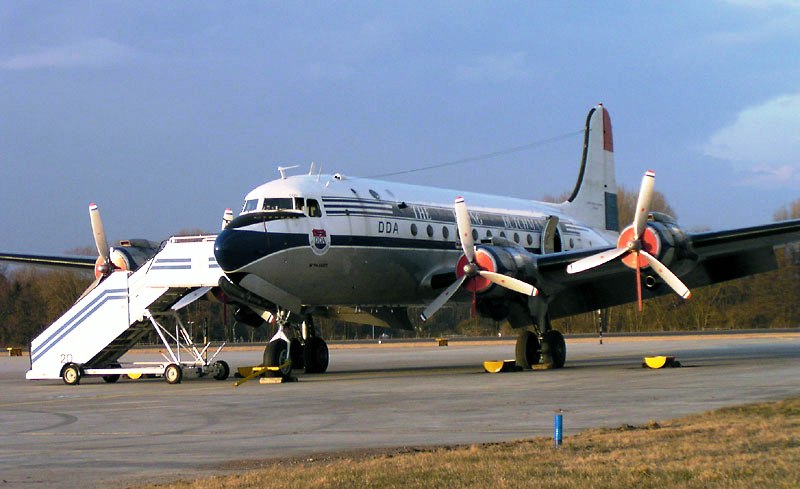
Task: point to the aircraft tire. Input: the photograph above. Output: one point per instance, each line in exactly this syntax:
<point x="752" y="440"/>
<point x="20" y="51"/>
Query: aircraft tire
<point x="276" y="354"/>
<point x="296" y="352"/>
<point x="223" y="370"/>
<point x="316" y="355"/>
<point x="554" y="349"/>
<point x="528" y="349"/>
<point x="173" y="374"/>
<point x="71" y="375"/>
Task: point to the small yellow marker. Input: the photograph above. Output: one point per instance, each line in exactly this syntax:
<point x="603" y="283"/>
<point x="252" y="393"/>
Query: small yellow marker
<point x="497" y="366"/>
<point x="660" y="362"/>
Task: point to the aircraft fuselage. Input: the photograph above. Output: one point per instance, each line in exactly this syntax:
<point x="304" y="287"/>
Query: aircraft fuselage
<point x="333" y="240"/>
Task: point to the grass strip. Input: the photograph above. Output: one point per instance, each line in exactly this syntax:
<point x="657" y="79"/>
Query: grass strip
<point x="750" y="446"/>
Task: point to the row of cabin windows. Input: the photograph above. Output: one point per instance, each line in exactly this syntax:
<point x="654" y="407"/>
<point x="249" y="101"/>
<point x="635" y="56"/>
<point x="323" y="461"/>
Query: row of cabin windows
<point x="429" y="231"/>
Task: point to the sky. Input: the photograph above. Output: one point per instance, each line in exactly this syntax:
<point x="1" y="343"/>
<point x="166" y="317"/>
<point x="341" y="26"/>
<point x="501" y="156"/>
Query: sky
<point x="166" y="113"/>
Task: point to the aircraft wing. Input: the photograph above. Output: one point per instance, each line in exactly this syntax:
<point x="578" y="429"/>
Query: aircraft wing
<point x="81" y="262"/>
<point x="705" y="258"/>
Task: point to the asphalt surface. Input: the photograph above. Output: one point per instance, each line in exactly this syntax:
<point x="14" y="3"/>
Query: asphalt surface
<point x="117" y="435"/>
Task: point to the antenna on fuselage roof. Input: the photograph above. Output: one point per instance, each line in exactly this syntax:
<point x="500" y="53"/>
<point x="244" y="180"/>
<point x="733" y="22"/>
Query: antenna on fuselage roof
<point x="282" y="170"/>
<point x="313" y="168"/>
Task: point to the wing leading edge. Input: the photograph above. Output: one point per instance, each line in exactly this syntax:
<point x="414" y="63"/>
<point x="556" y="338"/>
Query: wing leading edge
<point x="81" y="262"/>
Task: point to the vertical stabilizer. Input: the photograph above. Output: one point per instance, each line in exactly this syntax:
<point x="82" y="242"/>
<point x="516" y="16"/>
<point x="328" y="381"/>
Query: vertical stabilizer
<point x="594" y="199"/>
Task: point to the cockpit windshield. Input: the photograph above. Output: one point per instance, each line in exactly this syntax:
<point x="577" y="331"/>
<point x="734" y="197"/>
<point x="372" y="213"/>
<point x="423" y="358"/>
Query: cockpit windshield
<point x="294" y="206"/>
<point x="281" y="204"/>
<point x="250" y="205"/>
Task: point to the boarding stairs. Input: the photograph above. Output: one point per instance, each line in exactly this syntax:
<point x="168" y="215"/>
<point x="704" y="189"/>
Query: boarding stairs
<point x="106" y="322"/>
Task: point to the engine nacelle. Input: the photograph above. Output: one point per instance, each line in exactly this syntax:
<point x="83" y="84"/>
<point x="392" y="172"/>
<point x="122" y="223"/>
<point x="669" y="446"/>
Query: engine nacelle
<point x="663" y="238"/>
<point x="499" y="259"/>
<point x="126" y="255"/>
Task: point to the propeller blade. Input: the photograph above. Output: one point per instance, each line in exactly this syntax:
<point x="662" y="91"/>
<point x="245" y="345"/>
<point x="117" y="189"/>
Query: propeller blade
<point x="638" y="283"/>
<point x="99" y="232"/>
<point x="510" y="283"/>
<point x="595" y="260"/>
<point x="669" y="278"/>
<point x="465" y="229"/>
<point x="437" y="303"/>
<point x="643" y="203"/>
<point x="227" y="217"/>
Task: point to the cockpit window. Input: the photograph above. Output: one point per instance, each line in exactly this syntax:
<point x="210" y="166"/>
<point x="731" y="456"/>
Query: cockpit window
<point x="281" y="204"/>
<point x="312" y="208"/>
<point x="250" y="205"/>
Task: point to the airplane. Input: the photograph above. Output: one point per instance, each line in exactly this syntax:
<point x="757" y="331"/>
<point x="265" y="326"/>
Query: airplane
<point x="365" y="251"/>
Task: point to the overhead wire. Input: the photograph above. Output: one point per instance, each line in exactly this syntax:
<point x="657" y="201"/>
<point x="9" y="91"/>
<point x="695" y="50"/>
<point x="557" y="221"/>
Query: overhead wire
<point x="485" y="156"/>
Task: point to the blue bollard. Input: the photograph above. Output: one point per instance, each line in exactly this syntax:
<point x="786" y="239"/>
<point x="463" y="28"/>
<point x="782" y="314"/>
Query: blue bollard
<point x="558" y="429"/>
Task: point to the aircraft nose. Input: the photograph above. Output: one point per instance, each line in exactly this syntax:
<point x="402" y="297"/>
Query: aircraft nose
<point x="235" y="249"/>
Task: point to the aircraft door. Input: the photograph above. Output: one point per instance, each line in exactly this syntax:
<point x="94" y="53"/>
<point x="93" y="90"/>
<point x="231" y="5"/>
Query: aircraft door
<point x="551" y="238"/>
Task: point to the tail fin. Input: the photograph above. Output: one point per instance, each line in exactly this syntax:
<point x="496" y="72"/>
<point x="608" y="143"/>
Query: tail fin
<point x="594" y="199"/>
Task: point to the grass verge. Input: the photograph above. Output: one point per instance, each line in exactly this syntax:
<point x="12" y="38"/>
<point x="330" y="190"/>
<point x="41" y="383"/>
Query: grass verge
<point x="750" y="446"/>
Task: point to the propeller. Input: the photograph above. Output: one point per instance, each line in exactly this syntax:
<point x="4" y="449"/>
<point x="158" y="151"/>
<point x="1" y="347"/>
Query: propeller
<point x="104" y="265"/>
<point x="473" y="268"/>
<point x="636" y="245"/>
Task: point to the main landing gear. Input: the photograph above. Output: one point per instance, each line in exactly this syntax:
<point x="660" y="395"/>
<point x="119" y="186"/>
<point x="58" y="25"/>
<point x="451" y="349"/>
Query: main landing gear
<point x="545" y="346"/>
<point x="303" y="350"/>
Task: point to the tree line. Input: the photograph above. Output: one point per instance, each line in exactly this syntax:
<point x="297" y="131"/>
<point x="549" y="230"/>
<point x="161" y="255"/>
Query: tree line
<point x="32" y="298"/>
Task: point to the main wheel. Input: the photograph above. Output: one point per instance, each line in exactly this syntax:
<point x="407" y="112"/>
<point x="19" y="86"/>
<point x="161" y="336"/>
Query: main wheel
<point x="71" y="375"/>
<point x="296" y="353"/>
<point x="528" y="349"/>
<point x="173" y="374"/>
<point x="316" y="355"/>
<point x="276" y="354"/>
<point x="554" y="349"/>
<point x="223" y="370"/>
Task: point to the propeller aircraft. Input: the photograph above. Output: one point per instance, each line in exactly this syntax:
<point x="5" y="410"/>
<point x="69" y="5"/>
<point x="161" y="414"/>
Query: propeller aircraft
<point x="365" y="251"/>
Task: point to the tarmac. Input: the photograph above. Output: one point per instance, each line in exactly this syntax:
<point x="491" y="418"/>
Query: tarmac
<point x="373" y="397"/>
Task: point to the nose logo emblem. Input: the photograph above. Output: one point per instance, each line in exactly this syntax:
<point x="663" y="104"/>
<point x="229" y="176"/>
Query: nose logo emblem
<point x="319" y="241"/>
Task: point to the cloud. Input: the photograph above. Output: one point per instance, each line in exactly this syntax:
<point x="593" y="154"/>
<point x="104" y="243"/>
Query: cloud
<point x="766" y="4"/>
<point x="763" y="141"/>
<point x="496" y="68"/>
<point x="92" y="52"/>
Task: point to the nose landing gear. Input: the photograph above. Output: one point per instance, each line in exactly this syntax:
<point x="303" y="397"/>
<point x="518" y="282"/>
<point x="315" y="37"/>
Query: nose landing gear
<point x="304" y="350"/>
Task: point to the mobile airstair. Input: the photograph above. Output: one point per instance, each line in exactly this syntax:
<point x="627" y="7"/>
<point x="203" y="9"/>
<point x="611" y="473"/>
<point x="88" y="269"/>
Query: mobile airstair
<point x="90" y="338"/>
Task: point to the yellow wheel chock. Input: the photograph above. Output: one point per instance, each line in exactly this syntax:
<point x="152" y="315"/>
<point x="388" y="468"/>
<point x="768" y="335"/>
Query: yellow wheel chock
<point x="250" y="373"/>
<point x="497" y="366"/>
<point x="660" y="362"/>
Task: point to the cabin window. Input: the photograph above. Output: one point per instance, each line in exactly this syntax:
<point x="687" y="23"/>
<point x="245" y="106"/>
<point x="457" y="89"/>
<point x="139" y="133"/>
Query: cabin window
<point x="445" y="232"/>
<point x="429" y="230"/>
<point x="250" y="205"/>
<point x="280" y="204"/>
<point x="413" y="229"/>
<point x="313" y="209"/>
